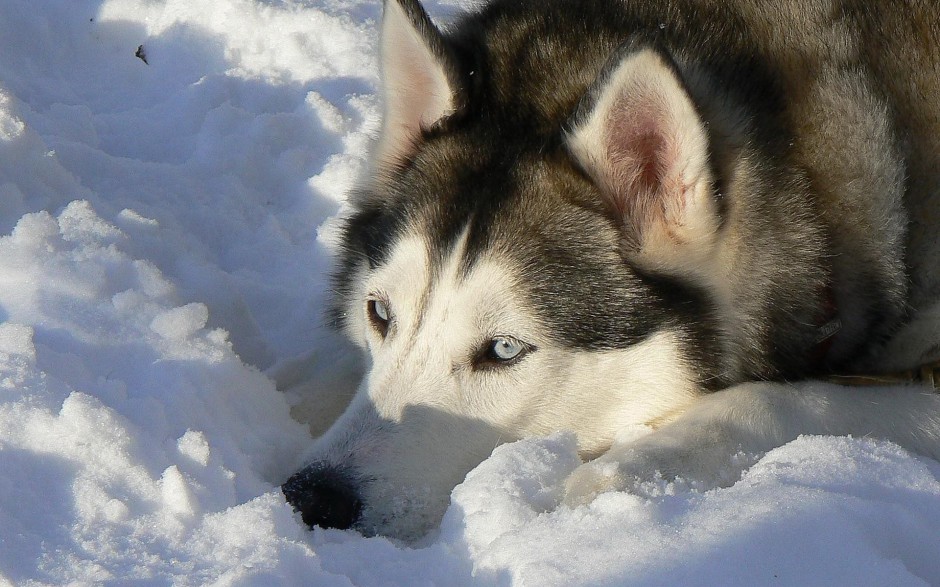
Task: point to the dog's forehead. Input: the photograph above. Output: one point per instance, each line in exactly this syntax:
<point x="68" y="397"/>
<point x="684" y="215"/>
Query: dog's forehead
<point x="501" y="193"/>
<point x="437" y="286"/>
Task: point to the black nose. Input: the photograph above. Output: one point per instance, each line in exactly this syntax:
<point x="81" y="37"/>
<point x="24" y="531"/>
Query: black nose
<point x="324" y="495"/>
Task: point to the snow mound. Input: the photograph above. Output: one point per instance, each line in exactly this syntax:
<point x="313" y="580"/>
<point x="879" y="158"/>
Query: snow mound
<point x="166" y="230"/>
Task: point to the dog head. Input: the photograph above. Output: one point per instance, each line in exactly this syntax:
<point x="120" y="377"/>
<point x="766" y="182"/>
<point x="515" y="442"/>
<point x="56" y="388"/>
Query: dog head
<point x="531" y="253"/>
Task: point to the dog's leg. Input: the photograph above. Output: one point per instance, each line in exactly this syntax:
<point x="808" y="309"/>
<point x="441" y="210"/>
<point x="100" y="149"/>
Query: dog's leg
<point x="725" y="432"/>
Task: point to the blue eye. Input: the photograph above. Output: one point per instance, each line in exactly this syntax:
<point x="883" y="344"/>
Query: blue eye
<point x="502" y="351"/>
<point x="380" y="310"/>
<point x="379" y="315"/>
<point x="504" y="348"/>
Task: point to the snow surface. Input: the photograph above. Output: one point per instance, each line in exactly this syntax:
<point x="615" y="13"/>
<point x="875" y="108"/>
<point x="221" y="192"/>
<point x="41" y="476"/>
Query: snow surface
<point x="167" y="228"/>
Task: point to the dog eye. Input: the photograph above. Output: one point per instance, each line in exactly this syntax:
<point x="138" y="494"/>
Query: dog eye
<point x="504" y="350"/>
<point x="379" y="316"/>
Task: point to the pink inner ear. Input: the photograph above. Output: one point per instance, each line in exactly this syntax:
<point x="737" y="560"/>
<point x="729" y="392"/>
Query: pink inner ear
<point x="647" y="148"/>
<point x="640" y="153"/>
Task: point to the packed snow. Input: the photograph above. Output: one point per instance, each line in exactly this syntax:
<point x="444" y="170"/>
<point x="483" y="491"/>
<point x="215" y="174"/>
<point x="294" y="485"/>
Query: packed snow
<point x="171" y="177"/>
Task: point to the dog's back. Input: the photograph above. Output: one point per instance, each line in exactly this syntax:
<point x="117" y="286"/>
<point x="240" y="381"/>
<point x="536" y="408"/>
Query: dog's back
<point x="884" y="56"/>
<point x="900" y="42"/>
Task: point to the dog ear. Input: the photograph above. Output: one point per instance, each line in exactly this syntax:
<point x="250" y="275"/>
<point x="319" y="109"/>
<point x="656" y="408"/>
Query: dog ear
<point x="420" y="75"/>
<point x="638" y="135"/>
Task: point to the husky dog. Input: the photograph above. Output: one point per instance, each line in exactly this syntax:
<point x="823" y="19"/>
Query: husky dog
<point x="656" y="224"/>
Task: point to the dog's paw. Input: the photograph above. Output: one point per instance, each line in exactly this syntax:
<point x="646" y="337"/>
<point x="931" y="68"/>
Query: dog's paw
<point x="631" y="470"/>
<point x="591" y="479"/>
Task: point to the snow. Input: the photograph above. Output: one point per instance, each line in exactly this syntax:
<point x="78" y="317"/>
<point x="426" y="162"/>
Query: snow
<point x="167" y="231"/>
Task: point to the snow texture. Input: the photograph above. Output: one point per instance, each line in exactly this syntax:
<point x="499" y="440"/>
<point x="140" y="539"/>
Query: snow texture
<point x="167" y="229"/>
